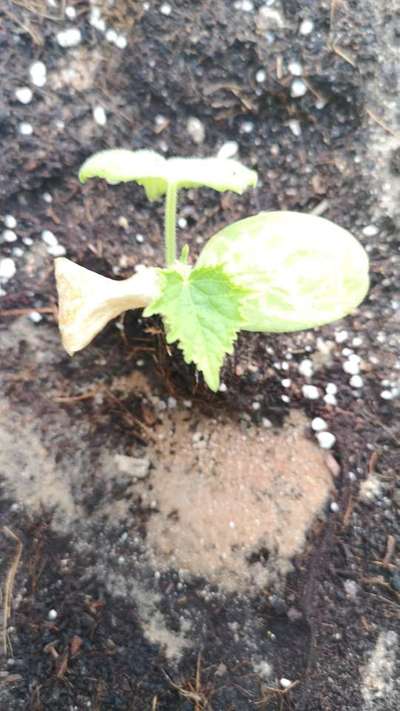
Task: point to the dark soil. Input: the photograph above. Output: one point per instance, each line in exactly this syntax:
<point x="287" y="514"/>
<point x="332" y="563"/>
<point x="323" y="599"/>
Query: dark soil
<point x="201" y="61"/>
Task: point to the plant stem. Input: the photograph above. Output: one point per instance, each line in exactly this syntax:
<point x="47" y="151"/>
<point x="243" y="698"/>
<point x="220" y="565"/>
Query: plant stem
<point x="170" y="224"/>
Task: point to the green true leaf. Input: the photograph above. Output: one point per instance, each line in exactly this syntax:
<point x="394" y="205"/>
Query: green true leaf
<point x="155" y="172"/>
<point x="201" y="310"/>
<point x="300" y="270"/>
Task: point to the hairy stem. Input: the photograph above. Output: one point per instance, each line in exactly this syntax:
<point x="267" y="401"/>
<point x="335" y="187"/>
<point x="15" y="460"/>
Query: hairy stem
<point x="170" y="223"/>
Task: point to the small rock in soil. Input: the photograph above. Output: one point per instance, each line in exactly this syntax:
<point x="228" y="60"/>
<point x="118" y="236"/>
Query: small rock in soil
<point x="138" y="467"/>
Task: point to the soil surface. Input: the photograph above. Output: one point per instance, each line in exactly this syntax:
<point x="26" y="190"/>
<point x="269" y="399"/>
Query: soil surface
<point x="164" y="548"/>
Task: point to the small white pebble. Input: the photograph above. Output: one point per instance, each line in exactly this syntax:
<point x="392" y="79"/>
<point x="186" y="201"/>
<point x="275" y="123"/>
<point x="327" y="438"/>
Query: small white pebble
<point x="341" y="336"/>
<point x="370" y="231"/>
<point x="295" y="68"/>
<point x="285" y="398"/>
<point x="310" y="392"/>
<point x="17" y="252"/>
<point x="123" y="223"/>
<point x="387" y="395"/>
<point x="95" y="13"/>
<point x="347" y="352"/>
<point x="94" y="16"/>
<point x="166" y="9"/>
<point x="261" y="76"/>
<point x="139" y="238"/>
<point x="38" y="73"/>
<point x="306" y="368"/>
<point x="35" y="316"/>
<point x="295" y="127"/>
<point x="100" y="115"/>
<point x="266" y="423"/>
<point x="228" y="150"/>
<point x="298" y="88"/>
<point x="357" y="341"/>
<point x="256" y="406"/>
<point x="24" y="95"/>
<point x="28" y="241"/>
<point x="101" y="25"/>
<point x="231" y="524"/>
<point x="352" y="367"/>
<point x="356" y="381"/>
<point x="52" y="614"/>
<point x="351" y="589"/>
<point x="331" y="389"/>
<point x="111" y="36"/>
<point x="96" y="20"/>
<point x="160" y="121"/>
<point x="47" y="197"/>
<point x="326" y="440"/>
<point x="286" y="382"/>
<point x="334" y="507"/>
<point x="57" y="250"/>
<point x="69" y="38"/>
<point x="247" y="6"/>
<point x="121" y="42"/>
<point x="247" y="127"/>
<point x="223" y="388"/>
<point x="182" y="223"/>
<point x="9" y="236"/>
<point x="49" y="238"/>
<point x="172" y="403"/>
<point x="10" y="222"/>
<point x="285" y="683"/>
<point x="318" y="424"/>
<point x="330" y="399"/>
<point x="7" y="268"/>
<point x="196" y="130"/>
<point x="25" y="128"/>
<point x="70" y="12"/>
<point x="306" y="27"/>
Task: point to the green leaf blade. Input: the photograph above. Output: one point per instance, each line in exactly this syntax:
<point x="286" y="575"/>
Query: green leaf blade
<point x="301" y="271"/>
<point x="120" y="165"/>
<point x="220" y="174"/>
<point x="155" y="173"/>
<point x="201" y="311"/>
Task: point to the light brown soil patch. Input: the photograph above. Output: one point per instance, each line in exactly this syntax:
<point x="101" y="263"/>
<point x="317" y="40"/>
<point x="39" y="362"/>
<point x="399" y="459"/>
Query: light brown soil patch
<point x="233" y="504"/>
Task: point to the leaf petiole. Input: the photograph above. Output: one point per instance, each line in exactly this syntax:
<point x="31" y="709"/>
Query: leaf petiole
<point x="184" y="258"/>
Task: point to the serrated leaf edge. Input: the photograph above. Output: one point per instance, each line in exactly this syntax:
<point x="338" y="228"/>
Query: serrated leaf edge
<point x="170" y="329"/>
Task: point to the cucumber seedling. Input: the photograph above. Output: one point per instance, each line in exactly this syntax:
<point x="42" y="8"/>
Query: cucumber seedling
<point x="273" y="272"/>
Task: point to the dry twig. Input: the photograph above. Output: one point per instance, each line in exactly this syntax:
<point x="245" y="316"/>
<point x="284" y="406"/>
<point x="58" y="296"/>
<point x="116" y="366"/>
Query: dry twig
<point x="193" y="690"/>
<point x="9" y="586"/>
